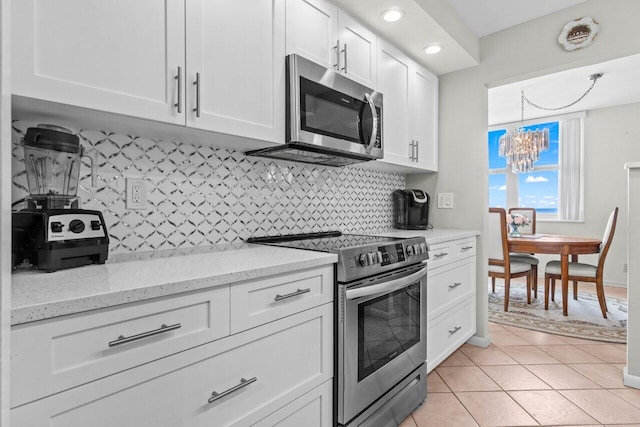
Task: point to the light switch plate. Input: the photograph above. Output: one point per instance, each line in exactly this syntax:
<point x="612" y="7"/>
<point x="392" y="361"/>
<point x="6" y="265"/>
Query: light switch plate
<point x="445" y="200"/>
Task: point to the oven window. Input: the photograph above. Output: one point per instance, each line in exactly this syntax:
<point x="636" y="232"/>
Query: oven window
<point x="387" y="326"/>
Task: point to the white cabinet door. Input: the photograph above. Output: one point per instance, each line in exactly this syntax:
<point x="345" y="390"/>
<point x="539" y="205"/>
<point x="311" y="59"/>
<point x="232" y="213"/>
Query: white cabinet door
<point x="394" y="76"/>
<point x="235" y="54"/>
<point x="319" y="31"/>
<point x="312" y="31"/>
<point x="424" y="118"/>
<point x="118" y="56"/>
<point x="358" y="51"/>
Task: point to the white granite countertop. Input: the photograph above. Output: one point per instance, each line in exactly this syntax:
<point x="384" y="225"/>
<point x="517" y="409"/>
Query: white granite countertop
<point x="434" y="236"/>
<point x="127" y="278"/>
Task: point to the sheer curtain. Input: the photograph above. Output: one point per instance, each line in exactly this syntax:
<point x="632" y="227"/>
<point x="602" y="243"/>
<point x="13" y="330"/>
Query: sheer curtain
<point x="570" y="203"/>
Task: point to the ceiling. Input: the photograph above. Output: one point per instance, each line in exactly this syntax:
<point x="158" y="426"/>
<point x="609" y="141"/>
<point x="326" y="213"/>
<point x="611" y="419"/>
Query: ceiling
<point x="459" y="24"/>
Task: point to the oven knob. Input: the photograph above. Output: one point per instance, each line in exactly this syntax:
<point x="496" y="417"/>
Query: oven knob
<point x="380" y="257"/>
<point x="363" y="260"/>
<point x="76" y="226"/>
<point x="417" y="249"/>
<point x="423" y="246"/>
<point x="410" y="250"/>
<point x="372" y="258"/>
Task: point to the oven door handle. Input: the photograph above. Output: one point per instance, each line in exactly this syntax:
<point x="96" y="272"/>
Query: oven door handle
<point x="374" y="123"/>
<point x="386" y="287"/>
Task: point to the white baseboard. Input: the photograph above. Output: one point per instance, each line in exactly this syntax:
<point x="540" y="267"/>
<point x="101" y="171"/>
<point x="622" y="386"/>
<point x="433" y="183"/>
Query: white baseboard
<point x="631" y="380"/>
<point x="479" y="341"/>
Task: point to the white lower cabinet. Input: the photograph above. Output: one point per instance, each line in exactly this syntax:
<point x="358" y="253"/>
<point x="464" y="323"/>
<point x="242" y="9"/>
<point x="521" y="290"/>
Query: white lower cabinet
<point x="278" y="372"/>
<point x="451" y="298"/>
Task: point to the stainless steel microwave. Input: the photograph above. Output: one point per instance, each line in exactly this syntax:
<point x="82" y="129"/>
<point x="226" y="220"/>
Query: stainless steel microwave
<point x="331" y="119"/>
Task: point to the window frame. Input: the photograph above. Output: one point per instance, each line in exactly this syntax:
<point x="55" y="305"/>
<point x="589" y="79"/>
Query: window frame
<point x="512" y="183"/>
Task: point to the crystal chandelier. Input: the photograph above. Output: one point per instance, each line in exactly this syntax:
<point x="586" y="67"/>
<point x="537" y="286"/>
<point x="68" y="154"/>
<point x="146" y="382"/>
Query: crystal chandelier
<point x="522" y="147"/>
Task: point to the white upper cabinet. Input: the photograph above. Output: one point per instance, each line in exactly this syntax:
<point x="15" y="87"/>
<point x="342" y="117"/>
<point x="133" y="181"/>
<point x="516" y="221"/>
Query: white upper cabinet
<point x="141" y="58"/>
<point x="235" y="67"/>
<point x="120" y="56"/>
<point x="410" y="118"/>
<point x="319" y="31"/>
<point x="394" y="75"/>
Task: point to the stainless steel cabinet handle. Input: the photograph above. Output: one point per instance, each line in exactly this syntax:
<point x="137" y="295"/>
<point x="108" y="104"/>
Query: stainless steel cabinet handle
<point x="412" y="148"/>
<point x="243" y="383"/>
<point x="162" y="329"/>
<point x="292" y="294"/>
<point x="345" y="59"/>
<point x="417" y="150"/>
<point x="455" y="285"/>
<point x="178" y="104"/>
<point x="466" y="248"/>
<point x="336" y="66"/>
<point x="455" y="329"/>
<point x="441" y="254"/>
<point x="196" y="83"/>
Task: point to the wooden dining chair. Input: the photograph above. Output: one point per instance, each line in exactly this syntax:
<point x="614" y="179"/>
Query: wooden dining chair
<point x="581" y="272"/>
<point x="500" y="264"/>
<point x="528" y="258"/>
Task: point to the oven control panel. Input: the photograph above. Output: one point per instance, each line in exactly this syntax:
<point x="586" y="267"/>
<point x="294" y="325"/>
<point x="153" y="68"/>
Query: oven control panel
<point x="369" y="260"/>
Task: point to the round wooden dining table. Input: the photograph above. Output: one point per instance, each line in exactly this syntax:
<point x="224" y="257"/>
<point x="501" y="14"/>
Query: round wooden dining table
<point x="556" y="244"/>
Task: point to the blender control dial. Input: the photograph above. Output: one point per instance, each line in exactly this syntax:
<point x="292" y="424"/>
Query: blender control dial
<point x="76" y="226"/>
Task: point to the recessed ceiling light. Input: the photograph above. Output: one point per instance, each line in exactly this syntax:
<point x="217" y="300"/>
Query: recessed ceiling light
<point x="433" y="48"/>
<point x="392" y="14"/>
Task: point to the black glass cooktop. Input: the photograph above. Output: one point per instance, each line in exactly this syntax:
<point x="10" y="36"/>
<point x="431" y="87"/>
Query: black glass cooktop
<point x="330" y="241"/>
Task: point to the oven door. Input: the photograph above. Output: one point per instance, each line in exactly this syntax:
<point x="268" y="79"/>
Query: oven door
<point x="381" y="336"/>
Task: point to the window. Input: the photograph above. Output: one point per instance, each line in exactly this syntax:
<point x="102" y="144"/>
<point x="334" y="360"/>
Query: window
<point x="554" y="187"/>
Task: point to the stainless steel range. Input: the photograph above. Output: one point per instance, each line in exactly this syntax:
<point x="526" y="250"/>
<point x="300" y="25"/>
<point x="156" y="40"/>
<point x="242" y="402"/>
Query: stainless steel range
<point x="381" y="319"/>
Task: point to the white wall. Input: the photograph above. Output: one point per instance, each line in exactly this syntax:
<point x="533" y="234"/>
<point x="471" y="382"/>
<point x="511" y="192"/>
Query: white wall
<point x="517" y="53"/>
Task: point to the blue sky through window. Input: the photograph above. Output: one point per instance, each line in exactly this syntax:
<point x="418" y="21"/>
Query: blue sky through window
<point x="537" y="189"/>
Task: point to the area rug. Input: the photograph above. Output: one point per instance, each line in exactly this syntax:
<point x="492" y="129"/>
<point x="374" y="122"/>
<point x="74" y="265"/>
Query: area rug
<point x="584" y="320"/>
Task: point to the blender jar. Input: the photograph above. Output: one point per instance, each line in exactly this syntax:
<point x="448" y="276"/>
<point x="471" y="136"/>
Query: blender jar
<point x="52" y="161"/>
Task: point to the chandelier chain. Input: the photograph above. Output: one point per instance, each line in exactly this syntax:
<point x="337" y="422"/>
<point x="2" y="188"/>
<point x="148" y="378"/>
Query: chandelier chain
<point x="593" y="77"/>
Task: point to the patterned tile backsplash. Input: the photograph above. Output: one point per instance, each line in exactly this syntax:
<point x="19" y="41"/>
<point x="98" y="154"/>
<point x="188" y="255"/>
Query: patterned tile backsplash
<point x="200" y="196"/>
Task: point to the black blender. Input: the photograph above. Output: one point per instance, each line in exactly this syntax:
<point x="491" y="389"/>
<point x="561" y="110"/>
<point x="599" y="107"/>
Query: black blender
<point x="52" y="232"/>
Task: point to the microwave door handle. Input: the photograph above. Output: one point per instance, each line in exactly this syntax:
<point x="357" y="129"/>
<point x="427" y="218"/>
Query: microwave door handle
<point x="374" y="116"/>
<point x="386" y="287"/>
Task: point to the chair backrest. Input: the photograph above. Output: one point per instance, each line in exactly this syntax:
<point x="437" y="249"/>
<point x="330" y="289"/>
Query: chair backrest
<point x="607" y="238"/>
<point x="497" y="239"/>
<point x="529" y="213"/>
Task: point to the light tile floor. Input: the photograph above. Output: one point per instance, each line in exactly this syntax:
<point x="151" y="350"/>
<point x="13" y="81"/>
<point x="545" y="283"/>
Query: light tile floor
<point x="527" y="378"/>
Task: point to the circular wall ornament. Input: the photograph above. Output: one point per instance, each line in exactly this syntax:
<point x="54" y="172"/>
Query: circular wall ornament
<point x="578" y="33"/>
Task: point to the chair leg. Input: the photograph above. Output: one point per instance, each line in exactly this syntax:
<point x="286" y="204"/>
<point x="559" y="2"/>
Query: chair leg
<point x="575" y="289"/>
<point x="507" y="285"/>
<point x="534" y="268"/>
<point x="493" y="285"/>
<point x="547" y="279"/>
<point x="553" y="289"/>
<point x="529" y="276"/>
<point x="601" y="298"/>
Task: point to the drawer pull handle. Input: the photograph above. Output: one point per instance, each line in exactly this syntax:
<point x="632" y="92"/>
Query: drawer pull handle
<point x="455" y="329"/>
<point x="466" y="248"/>
<point x="441" y="254"/>
<point x="162" y="329"/>
<point x="243" y="383"/>
<point x="455" y="285"/>
<point x="292" y="294"/>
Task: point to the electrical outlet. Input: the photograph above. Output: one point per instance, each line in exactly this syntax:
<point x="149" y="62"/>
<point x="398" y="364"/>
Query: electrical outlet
<point x="445" y="200"/>
<point x="136" y="194"/>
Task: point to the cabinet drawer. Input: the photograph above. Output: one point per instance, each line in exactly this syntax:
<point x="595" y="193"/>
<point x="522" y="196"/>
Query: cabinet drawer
<point x="448" y="285"/>
<point x="256" y="302"/>
<point x="64" y="352"/>
<point x="439" y="254"/>
<point x="279" y="361"/>
<point x="464" y="248"/>
<point x="314" y="409"/>
<point x="448" y="332"/>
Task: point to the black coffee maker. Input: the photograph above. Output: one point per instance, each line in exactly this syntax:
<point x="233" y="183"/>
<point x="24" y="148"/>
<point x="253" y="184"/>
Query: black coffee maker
<point x="410" y="209"/>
